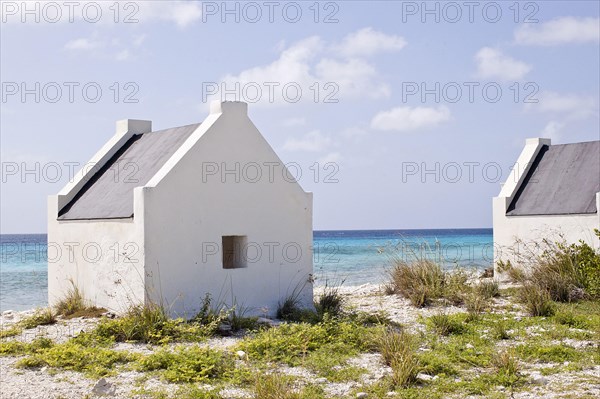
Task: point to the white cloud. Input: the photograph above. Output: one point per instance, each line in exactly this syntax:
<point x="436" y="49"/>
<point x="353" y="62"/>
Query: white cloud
<point x="354" y="78"/>
<point x="493" y="64"/>
<point x="182" y="13"/>
<point x="552" y="130"/>
<point x="410" y="118"/>
<point x="105" y="47"/>
<point x="82" y="44"/>
<point x="574" y="106"/>
<point x="318" y="72"/>
<point x="292" y="122"/>
<point x="138" y="40"/>
<point x="313" y="141"/>
<point x="367" y="41"/>
<point x="334" y="157"/>
<point x="560" y="31"/>
<point x="122" y="55"/>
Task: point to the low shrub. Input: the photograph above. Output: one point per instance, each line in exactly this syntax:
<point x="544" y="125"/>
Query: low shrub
<point x="567" y="273"/>
<point x="23" y="348"/>
<point x="10" y="331"/>
<point x="92" y="361"/>
<point x="290" y="343"/>
<point x="188" y="364"/>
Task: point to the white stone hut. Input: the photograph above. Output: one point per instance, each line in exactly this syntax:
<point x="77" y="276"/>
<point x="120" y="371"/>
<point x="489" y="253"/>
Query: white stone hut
<point x="553" y="193"/>
<point x="169" y="216"/>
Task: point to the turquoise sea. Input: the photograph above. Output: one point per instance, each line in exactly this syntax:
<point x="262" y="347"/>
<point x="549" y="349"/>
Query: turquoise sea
<point x="348" y="257"/>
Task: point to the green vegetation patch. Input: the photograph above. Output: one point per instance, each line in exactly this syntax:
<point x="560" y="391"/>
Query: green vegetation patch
<point x="291" y="343"/>
<point x="92" y="361"/>
<point x="189" y="364"/>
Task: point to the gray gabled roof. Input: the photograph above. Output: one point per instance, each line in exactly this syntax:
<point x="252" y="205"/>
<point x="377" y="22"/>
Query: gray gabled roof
<point x="109" y="192"/>
<point x="563" y="180"/>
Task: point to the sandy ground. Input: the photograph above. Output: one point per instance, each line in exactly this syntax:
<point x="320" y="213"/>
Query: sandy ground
<point x="44" y="383"/>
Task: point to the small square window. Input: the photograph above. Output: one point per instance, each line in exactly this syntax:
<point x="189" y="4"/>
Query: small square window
<point x="234" y="256"/>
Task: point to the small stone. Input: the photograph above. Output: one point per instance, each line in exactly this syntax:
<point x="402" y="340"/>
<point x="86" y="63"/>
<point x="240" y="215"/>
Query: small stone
<point x="321" y="380"/>
<point x="268" y="322"/>
<point x="7" y="312"/>
<point x="361" y="395"/>
<point x="391" y="394"/>
<point x="43" y="369"/>
<point x="539" y="379"/>
<point x="103" y="388"/>
<point x="469" y="346"/>
<point x="241" y="354"/>
<point x="424" y="377"/>
<point x="224" y="329"/>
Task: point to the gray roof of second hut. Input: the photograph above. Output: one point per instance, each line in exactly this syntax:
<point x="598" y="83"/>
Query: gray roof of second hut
<point x="562" y="180"/>
<point x="108" y="194"/>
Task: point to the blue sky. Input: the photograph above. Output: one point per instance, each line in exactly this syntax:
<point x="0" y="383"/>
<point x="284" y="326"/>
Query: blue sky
<point x="374" y="60"/>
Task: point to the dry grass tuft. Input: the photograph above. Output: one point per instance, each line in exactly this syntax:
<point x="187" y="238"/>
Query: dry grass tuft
<point x="398" y="351"/>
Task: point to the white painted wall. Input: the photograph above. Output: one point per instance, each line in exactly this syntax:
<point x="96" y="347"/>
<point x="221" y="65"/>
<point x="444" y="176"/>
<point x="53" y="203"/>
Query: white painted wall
<point x="179" y="220"/>
<point x="103" y="258"/>
<point x="186" y="218"/>
<point x="508" y="230"/>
